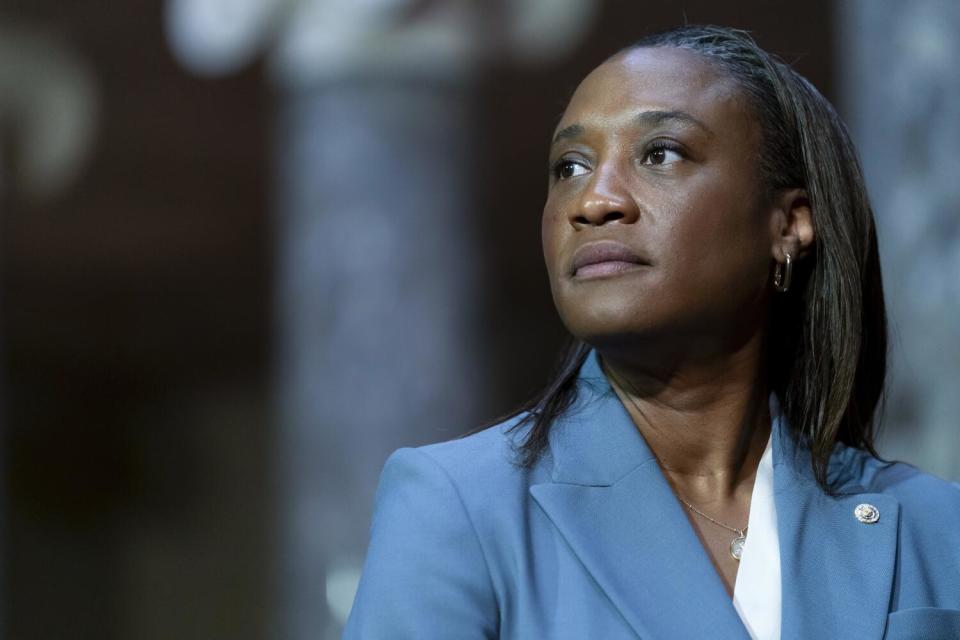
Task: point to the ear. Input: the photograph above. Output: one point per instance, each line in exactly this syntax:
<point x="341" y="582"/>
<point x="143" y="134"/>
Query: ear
<point x="791" y="225"/>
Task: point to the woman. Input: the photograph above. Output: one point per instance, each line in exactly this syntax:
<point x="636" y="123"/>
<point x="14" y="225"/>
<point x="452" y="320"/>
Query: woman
<point x="703" y="465"/>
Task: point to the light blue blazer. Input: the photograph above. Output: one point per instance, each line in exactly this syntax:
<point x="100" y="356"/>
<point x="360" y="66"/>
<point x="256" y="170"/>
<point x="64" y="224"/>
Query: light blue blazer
<point x="591" y="543"/>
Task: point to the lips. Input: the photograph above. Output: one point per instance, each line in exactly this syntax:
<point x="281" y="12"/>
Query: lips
<point x="604" y="257"/>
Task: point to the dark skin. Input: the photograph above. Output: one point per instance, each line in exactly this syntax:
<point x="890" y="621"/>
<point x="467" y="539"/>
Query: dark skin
<point x="659" y="151"/>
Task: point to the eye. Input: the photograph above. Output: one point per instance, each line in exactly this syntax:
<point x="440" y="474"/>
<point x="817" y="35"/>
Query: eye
<point x="660" y="153"/>
<point x="565" y="169"/>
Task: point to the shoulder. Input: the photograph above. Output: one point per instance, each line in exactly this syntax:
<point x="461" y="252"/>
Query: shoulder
<point x="427" y="551"/>
<point x="478" y="476"/>
<point x="437" y="512"/>
<point x="925" y="500"/>
<point x="899" y="479"/>
<point x="475" y="482"/>
<point x="478" y="461"/>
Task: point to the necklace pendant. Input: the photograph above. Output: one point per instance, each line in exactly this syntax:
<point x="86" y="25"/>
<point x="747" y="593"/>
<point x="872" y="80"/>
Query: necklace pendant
<point x="736" y="547"/>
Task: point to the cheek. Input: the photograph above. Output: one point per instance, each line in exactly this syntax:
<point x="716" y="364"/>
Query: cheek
<point x="720" y="244"/>
<point x="550" y="233"/>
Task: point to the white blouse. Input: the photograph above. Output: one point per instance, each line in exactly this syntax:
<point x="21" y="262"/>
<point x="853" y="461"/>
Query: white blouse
<point x="756" y="592"/>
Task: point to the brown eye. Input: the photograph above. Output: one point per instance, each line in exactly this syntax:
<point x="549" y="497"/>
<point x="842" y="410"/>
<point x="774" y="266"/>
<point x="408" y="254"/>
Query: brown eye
<point x="662" y="154"/>
<point x="568" y="169"/>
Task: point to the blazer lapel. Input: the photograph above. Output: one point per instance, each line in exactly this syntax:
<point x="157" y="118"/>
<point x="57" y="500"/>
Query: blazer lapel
<point x="836" y="571"/>
<point x="619" y="516"/>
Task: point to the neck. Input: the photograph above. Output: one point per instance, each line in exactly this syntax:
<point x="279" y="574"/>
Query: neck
<point x="707" y="420"/>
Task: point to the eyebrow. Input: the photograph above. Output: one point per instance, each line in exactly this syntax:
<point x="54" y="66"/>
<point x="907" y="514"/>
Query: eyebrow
<point x="643" y="119"/>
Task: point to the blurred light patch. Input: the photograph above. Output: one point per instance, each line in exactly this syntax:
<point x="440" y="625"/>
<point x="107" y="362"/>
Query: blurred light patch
<point x="49" y="95"/>
<point x="543" y="30"/>
<point x="310" y="40"/>
<point x="217" y="37"/>
<point x="927" y="39"/>
<point x="342" y="581"/>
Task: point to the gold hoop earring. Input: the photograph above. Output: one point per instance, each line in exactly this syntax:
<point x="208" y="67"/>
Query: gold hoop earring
<point x="782" y="274"/>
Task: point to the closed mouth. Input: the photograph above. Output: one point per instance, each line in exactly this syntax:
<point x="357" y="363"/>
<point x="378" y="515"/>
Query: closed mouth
<point x="605" y="257"/>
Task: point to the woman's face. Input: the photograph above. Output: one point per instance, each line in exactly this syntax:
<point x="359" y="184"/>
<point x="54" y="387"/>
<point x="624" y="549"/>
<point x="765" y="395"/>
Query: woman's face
<point x="655" y="224"/>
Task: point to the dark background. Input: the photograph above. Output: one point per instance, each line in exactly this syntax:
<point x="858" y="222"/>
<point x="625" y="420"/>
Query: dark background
<point x="137" y="337"/>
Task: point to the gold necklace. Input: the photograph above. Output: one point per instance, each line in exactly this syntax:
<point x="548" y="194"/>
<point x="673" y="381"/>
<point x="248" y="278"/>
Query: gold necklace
<point x="737" y="544"/>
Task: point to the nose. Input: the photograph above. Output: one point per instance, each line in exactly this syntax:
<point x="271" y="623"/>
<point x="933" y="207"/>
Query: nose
<point x="604" y="200"/>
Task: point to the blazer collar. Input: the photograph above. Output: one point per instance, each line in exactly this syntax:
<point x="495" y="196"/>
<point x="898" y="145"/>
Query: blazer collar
<point x="617" y="512"/>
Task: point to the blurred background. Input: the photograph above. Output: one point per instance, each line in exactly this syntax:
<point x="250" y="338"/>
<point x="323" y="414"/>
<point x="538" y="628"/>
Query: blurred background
<point x="250" y="247"/>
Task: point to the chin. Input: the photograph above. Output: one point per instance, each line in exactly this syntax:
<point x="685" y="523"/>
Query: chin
<point x="598" y="325"/>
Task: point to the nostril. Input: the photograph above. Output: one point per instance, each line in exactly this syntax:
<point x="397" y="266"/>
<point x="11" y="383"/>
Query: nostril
<point x="610" y="216"/>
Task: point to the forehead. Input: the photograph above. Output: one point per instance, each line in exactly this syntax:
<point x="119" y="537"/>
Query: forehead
<point x="663" y="78"/>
